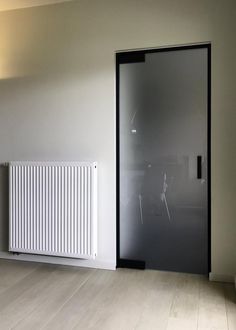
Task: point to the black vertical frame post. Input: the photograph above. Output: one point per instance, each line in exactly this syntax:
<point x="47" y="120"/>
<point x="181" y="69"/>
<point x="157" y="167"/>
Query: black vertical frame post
<point x="139" y="56"/>
<point x="117" y="161"/>
<point x="209" y="151"/>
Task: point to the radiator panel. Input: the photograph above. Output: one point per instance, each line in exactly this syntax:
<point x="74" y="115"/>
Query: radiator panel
<point x="53" y="208"/>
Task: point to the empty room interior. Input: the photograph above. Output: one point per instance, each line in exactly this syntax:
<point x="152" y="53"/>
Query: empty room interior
<point x="117" y="164"/>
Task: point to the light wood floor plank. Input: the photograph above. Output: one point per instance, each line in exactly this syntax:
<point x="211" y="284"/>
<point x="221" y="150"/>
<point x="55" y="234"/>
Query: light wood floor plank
<point x="120" y="304"/>
<point x="81" y="302"/>
<point x="61" y="286"/>
<point x="212" y="307"/>
<point x="12" y="293"/>
<point x="27" y="294"/>
<point x="12" y="272"/>
<point x="51" y="297"/>
<point x="230" y="300"/>
<point x="181" y="324"/>
<point x="158" y="302"/>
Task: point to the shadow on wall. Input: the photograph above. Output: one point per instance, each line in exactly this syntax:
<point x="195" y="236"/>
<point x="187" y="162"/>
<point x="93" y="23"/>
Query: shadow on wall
<point x="4" y="208"/>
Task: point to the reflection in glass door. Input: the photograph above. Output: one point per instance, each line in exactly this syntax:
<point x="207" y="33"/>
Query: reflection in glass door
<point x="163" y="158"/>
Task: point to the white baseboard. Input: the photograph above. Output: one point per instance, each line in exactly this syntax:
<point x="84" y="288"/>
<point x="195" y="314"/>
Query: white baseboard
<point x="222" y="278"/>
<point x="100" y="264"/>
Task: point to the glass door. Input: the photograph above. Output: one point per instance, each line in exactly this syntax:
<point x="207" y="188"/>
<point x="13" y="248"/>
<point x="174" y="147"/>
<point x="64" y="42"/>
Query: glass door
<point x="163" y="158"/>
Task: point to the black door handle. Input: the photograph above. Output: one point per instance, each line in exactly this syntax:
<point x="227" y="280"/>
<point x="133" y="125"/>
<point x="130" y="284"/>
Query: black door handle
<point x="199" y="167"/>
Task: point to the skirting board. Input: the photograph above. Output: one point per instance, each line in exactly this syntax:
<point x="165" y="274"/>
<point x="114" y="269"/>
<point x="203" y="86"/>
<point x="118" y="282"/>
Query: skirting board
<point x="60" y="261"/>
<point x="221" y="278"/>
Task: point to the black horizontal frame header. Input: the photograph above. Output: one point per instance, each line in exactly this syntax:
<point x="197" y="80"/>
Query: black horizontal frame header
<point x="128" y="57"/>
<point x="136" y="56"/>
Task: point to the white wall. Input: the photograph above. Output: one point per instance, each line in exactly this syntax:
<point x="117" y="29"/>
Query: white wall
<point x="57" y="96"/>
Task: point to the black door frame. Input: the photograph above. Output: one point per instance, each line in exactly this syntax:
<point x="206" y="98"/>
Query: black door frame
<point x="139" y="56"/>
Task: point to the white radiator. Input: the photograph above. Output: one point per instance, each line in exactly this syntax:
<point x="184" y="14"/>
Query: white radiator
<point x="53" y="208"/>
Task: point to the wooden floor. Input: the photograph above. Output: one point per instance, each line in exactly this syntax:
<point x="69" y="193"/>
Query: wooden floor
<point x="35" y="296"/>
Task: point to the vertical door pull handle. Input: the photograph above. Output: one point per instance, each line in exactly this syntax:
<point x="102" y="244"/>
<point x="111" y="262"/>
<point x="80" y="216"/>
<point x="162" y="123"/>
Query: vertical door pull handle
<point x="199" y="167"/>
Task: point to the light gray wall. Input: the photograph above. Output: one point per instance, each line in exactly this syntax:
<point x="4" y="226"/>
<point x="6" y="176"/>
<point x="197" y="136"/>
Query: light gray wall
<point x="57" y="95"/>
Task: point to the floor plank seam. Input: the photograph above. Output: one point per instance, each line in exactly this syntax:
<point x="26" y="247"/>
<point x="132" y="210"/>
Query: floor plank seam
<point x="226" y="310"/>
<point x="171" y="306"/>
<point x="199" y="295"/>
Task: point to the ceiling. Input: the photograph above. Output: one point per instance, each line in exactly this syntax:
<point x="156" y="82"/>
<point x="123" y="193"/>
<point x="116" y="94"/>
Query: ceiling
<point x="16" y="4"/>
